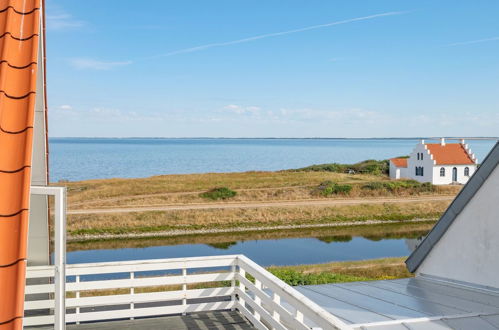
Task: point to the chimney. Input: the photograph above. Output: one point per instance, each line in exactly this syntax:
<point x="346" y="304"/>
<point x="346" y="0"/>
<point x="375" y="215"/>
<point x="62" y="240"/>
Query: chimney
<point x="442" y="142"/>
<point x="462" y="142"/>
<point x="422" y="141"/>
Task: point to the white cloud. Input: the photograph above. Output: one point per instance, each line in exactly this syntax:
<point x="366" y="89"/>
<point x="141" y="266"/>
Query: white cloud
<point x="478" y="41"/>
<point x="65" y="107"/>
<point x="275" y="34"/>
<point x="243" y="109"/>
<point x="92" y="64"/>
<point x="62" y="21"/>
<point x="320" y="115"/>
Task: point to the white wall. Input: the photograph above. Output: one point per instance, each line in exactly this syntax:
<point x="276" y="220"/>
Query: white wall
<point x="394" y="171"/>
<point x="38" y="231"/>
<point x="461" y="178"/>
<point x="426" y="163"/>
<point x="468" y="251"/>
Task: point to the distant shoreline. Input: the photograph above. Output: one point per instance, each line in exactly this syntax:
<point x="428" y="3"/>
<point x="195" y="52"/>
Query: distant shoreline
<point x="277" y="138"/>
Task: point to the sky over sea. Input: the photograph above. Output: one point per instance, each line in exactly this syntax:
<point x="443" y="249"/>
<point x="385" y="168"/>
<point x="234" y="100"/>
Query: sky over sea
<point x="273" y="68"/>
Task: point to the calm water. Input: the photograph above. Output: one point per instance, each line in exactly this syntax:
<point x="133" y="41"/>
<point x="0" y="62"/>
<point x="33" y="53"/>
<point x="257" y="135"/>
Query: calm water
<point x="80" y="159"/>
<point x="291" y="251"/>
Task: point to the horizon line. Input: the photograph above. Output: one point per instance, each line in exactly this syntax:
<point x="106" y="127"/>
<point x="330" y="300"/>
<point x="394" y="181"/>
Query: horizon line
<point x="283" y="138"/>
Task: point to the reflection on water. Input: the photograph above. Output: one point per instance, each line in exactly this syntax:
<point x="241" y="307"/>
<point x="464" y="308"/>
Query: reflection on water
<point x="413" y="243"/>
<point x="289" y="251"/>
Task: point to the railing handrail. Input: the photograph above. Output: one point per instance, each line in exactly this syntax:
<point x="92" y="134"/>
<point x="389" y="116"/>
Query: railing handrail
<point x="302" y="305"/>
<point x="305" y="305"/>
<point x="152" y="261"/>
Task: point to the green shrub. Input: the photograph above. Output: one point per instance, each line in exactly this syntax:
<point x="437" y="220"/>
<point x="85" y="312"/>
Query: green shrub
<point x="293" y="277"/>
<point x="374" y="167"/>
<point x="328" y="188"/>
<point x="393" y="186"/>
<point x="219" y="193"/>
<point x="373" y="186"/>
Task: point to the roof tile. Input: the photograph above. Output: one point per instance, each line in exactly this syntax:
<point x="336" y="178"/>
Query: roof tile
<point x="17" y="83"/>
<point x="10" y="22"/>
<point x="11" y="228"/>
<point x="18" y="53"/>
<point x="12" y="145"/>
<point x="20" y="6"/>
<point x="13" y="118"/>
<point x="399" y="162"/>
<point x="9" y="276"/>
<point x="450" y="154"/>
<point x="12" y="192"/>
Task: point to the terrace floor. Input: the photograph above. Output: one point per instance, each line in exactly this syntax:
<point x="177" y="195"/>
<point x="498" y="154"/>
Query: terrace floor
<point x="197" y="321"/>
<point x="416" y="303"/>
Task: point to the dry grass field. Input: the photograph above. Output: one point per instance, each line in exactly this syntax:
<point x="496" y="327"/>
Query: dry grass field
<point x="157" y="221"/>
<point x="250" y="187"/>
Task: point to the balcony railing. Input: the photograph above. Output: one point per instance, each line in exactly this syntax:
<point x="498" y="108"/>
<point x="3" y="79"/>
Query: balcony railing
<point x="106" y="291"/>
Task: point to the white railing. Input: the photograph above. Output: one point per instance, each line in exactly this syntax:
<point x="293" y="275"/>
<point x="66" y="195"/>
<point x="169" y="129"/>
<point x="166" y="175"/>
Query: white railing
<point x="54" y="274"/>
<point x="144" y="288"/>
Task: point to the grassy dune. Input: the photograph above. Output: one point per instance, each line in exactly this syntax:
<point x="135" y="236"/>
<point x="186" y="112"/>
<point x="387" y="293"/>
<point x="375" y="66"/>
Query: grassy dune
<point x="156" y="221"/>
<point x="250" y="186"/>
<point x="338" y="272"/>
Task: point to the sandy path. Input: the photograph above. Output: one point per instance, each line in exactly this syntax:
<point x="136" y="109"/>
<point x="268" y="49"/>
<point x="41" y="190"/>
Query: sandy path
<point x="239" y="205"/>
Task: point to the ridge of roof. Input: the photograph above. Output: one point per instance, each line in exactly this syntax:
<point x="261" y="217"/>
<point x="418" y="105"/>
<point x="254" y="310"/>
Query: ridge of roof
<point x="458" y="204"/>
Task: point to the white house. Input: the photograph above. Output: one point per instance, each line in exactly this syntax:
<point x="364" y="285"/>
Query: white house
<point x="438" y="163"/>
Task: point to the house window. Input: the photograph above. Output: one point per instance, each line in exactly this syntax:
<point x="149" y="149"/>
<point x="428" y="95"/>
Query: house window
<point x="419" y="171"/>
<point x="466" y="171"/>
<point x="421" y="156"/>
<point x="442" y="171"/>
<point x="418" y="158"/>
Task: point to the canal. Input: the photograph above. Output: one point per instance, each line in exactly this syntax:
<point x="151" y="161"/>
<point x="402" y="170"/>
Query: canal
<point x="273" y="248"/>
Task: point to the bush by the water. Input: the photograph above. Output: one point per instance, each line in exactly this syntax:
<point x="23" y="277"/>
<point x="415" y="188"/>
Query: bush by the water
<point x="398" y="185"/>
<point x="328" y="188"/>
<point x="219" y="193"/>
<point x="375" y="167"/>
<point x="293" y="277"/>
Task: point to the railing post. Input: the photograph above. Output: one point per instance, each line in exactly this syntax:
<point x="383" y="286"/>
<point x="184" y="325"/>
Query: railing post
<point x="242" y="287"/>
<point x="257" y="299"/>
<point x="277" y="299"/>
<point x="298" y="315"/>
<point x="233" y="285"/>
<point x="77" y="296"/>
<point x="60" y="257"/>
<point x="132" y="292"/>
<point x="184" y="288"/>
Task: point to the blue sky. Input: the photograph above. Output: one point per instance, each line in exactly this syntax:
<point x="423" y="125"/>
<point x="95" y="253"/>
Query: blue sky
<point x="357" y="68"/>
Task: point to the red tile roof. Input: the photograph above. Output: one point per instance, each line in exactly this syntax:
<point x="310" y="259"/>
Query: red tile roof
<point x="19" y="40"/>
<point x="450" y="154"/>
<point x="399" y="162"/>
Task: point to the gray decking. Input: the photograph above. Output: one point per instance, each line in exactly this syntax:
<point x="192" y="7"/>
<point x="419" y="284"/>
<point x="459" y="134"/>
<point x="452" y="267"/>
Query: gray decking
<point x="415" y="303"/>
<point x="197" y="321"/>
